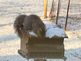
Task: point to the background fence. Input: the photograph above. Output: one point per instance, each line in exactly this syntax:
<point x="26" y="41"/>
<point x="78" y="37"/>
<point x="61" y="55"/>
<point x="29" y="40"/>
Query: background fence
<point x="12" y="8"/>
<point x="36" y="6"/>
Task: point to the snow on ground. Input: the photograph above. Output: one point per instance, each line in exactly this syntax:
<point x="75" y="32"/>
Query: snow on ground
<point x="10" y="43"/>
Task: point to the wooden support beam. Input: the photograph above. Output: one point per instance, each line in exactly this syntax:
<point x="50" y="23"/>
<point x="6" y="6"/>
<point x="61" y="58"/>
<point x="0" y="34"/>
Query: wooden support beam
<point x="45" y="8"/>
<point x="52" y="13"/>
<point x="67" y="14"/>
<point x="58" y="10"/>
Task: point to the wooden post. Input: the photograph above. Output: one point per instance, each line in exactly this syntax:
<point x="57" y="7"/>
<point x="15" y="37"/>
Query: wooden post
<point x="45" y="8"/>
<point x="67" y="14"/>
<point x="40" y="59"/>
<point x="52" y="14"/>
<point x="58" y="9"/>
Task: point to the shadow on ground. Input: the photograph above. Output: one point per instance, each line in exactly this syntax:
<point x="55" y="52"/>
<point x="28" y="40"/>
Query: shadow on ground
<point x="12" y="58"/>
<point x="71" y="54"/>
<point x="8" y="37"/>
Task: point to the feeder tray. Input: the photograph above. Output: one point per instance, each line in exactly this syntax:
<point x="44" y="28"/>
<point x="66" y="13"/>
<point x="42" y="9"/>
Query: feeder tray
<point x="42" y="47"/>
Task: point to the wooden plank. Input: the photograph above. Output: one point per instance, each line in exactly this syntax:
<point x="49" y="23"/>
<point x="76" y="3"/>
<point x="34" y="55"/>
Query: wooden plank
<point x="67" y="14"/>
<point x="45" y="8"/>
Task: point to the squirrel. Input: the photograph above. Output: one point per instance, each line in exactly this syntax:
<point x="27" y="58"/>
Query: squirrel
<point x="23" y="24"/>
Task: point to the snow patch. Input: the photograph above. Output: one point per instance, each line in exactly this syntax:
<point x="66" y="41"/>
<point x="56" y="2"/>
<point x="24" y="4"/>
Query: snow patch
<point x="32" y="33"/>
<point x="55" y="32"/>
<point x="52" y="30"/>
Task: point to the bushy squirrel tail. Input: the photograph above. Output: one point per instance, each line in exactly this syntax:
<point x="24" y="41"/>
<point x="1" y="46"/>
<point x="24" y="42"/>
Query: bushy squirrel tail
<point x="18" y="24"/>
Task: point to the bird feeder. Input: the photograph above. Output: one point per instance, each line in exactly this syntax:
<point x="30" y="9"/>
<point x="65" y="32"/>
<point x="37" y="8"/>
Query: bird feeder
<point x="43" y="48"/>
<point x="47" y="47"/>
